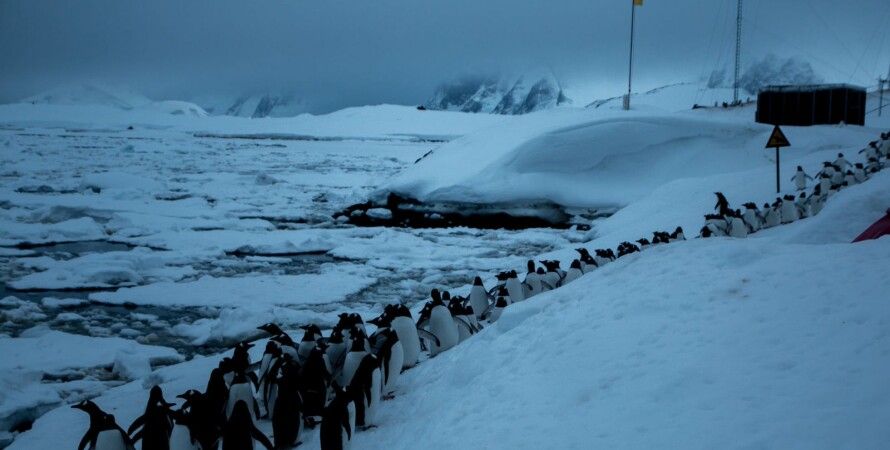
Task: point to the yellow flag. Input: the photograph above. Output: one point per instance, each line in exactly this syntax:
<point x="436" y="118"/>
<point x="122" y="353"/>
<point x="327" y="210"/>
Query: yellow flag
<point x="638" y="2"/>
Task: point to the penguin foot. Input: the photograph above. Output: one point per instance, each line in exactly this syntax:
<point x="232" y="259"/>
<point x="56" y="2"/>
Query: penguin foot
<point x="367" y="427"/>
<point x="389" y="396"/>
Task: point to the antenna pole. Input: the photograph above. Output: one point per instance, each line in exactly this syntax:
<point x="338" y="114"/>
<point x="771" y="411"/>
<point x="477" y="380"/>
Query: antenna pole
<point x="738" y="53"/>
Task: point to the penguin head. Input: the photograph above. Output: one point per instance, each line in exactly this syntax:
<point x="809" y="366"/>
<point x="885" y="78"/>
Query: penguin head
<point x="840" y="155"/>
<point x="272" y="348"/>
<point x="576" y="264"/>
<point x="678" y="230"/>
<point x="530" y="265"/>
<point x="799" y="169"/>
<point x="336" y="337"/>
<point x="156" y="398"/>
<point x="190" y="395"/>
<point x="436" y="296"/>
<point x="403" y="311"/>
<point x="271" y="328"/>
<point x="313" y="329"/>
<point x="540" y="271"/>
<point x="501" y="302"/>
<point x="446" y="296"/>
<point x="643" y="242"/>
<point x="503" y="276"/>
<point x="88" y="407"/>
<point x="477" y="282"/>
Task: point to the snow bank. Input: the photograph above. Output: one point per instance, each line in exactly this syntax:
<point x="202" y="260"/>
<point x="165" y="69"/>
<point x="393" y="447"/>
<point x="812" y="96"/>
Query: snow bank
<point x="82" y="229"/>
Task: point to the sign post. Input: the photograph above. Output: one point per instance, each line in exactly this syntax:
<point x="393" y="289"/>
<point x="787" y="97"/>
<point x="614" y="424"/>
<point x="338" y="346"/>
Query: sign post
<point x="778" y="140"/>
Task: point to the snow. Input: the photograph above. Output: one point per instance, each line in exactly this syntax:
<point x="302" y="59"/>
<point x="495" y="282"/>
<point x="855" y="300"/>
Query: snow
<point x="331" y="285"/>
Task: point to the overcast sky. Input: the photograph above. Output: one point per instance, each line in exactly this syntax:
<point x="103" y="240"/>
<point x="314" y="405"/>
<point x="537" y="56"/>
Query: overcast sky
<point x="336" y="53"/>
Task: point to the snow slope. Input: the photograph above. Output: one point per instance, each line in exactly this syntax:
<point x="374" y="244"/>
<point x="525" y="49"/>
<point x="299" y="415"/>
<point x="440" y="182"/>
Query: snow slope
<point x="719" y="343"/>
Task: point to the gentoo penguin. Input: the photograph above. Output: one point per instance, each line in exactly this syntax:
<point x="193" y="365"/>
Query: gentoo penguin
<point x="336" y="351"/>
<point x="203" y="421"/>
<point x="573" y="273"/>
<point x="240" y="431"/>
<point x="772" y="217"/>
<point x="800" y="179"/>
<point x="103" y="432"/>
<point x="824" y="183"/>
<point x="242" y="390"/>
<point x="514" y="287"/>
<point x="553" y="277"/>
<point x="626" y="248"/>
<point x="873" y="166"/>
<point x="338" y="422"/>
<point x="241" y="357"/>
<point x="678" y="235"/>
<point x="314" y="381"/>
<point x="722" y="206"/>
<point x="717" y="224"/>
<point x="479" y="296"/>
<point x="307" y="343"/>
<point x="287" y="410"/>
<point x="849" y="178"/>
<point x="183" y="436"/>
<point x="357" y="352"/>
<point x="217" y="393"/>
<point x="531" y="286"/>
<point x="155" y="424"/>
<point x="705" y="232"/>
<point x="497" y="309"/>
<point x="803" y="209"/>
<point x="841" y="163"/>
<point x="837" y="177"/>
<point x="441" y="325"/>
<point x="403" y="325"/>
<point x="267" y="373"/>
<point x="737" y="228"/>
<point x="751" y="217"/>
<point x="788" y="209"/>
<point x="603" y="257"/>
<point x="871" y="151"/>
<point x="364" y="387"/>
<point x="388" y="350"/>
<point x="588" y="264"/>
<point x="859" y="173"/>
<point x="644" y="243"/>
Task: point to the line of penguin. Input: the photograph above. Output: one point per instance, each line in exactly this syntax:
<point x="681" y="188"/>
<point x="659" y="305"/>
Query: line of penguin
<point x="833" y="177"/>
<point x="338" y="382"/>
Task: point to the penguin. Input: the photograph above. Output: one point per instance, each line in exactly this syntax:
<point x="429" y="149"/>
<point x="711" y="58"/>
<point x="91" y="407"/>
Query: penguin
<point x="217" y="393"/>
<point x="871" y="151"/>
<point x="441" y="325"/>
<point x="644" y="243"/>
<point x="827" y="170"/>
<point x="531" y="285"/>
<point x="336" y="351"/>
<point x="588" y="264"/>
<point x="357" y="352"/>
<point x="241" y="357"/>
<point x="722" y="205"/>
<point x="103" y="433"/>
<point x="678" y="235"/>
<point x="803" y="209"/>
<point x="514" y="287"/>
<point x="203" y="421"/>
<point x="552" y="277"/>
<point x="338" y="422"/>
<point x="788" y="209"/>
<point x="850" y="179"/>
<point x="307" y="343"/>
<point x="155" y="424"/>
<point x="479" y="296"/>
<point x="573" y="273"/>
<point x="837" y="176"/>
<point x="873" y="166"/>
<point x="267" y="373"/>
<point x="497" y="309"/>
<point x="751" y="217"/>
<point x="705" y="232"/>
<point x="737" y="227"/>
<point x="183" y="436"/>
<point x="240" y="431"/>
<point x="716" y="223"/>
<point x="314" y="381"/>
<point x="242" y="390"/>
<point x="626" y="248"/>
<point x="859" y="173"/>
<point x="824" y="183"/>
<point x="403" y="325"/>
<point x="841" y="163"/>
<point x="388" y="350"/>
<point x="364" y="387"/>
<point x="772" y="217"/>
<point x="287" y="409"/>
<point x="800" y="179"/>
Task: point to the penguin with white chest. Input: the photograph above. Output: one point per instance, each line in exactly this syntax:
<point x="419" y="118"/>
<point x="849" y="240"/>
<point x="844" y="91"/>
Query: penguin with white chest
<point x="388" y="350"/>
<point x="242" y="390"/>
<point x="183" y="437"/>
<point x="357" y="352"/>
<point x="403" y="324"/>
<point x="103" y="433"/>
<point x="573" y="273"/>
<point x="155" y="424"/>
<point x="497" y="309"/>
<point x="479" y="298"/>
<point x="441" y="325"/>
<point x="364" y="387"/>
<point x="287" y="409"/>
<point x="588" y="264"/>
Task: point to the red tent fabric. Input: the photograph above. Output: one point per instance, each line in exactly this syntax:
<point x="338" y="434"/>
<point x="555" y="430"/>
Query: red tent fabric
<point x="876" y="230"/>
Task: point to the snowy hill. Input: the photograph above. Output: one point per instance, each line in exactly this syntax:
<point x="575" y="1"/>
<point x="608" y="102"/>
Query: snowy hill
<point x="86" y="94"/>
<point x="530" y="92"/>
<point x="255" y="106"/>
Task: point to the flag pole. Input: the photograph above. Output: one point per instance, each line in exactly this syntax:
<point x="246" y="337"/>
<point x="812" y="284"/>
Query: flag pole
<point x="630" y="68"/>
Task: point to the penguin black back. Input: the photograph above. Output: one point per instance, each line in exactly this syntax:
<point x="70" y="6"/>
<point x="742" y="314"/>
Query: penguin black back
<point x="240" y="431"/>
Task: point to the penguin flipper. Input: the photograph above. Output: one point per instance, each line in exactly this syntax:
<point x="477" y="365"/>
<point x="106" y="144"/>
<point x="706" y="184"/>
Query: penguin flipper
<point x="427" y="335"/>
<point x="259" y="436"/>
<point x="136" y="424"/>
<point x="88" y="437"/>
<point x="136" y="437"/>
<point x="466" y="324"/>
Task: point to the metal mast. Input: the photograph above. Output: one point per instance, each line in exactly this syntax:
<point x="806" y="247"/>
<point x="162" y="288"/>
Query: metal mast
<point x="738" y="53"/>
<point x="630" y="68"/>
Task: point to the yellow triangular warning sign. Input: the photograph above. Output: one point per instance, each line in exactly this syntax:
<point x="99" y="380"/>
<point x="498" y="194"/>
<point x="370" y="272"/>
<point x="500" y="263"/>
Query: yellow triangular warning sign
<point x="777" y="139"/>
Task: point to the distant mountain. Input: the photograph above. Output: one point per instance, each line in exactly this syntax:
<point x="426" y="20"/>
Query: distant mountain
<point x="255" y="106"/>
<point x="112" y="97"/>
<point x="521" y="95"/>
<point x="769" y="70"/>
